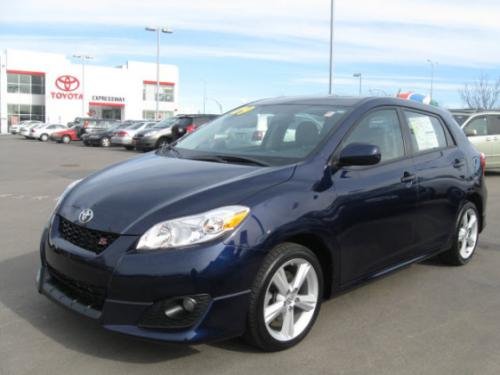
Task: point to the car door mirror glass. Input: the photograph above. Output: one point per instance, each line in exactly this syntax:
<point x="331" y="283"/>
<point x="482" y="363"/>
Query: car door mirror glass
<point x="359" y="154"/>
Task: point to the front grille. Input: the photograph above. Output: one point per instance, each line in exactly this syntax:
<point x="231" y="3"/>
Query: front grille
<point x="88" y="239"/>
<point x="83" y="292"/>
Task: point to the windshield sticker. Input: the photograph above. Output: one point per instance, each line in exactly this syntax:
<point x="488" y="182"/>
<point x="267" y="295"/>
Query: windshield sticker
<point x="242" y="110"/>
<point x="424" y="132"/>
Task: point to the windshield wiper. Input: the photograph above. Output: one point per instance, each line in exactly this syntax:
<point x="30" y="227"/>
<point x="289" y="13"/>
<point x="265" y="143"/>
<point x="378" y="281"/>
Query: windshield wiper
<point x="170" y="147"/>
<point x="221" y="158"/>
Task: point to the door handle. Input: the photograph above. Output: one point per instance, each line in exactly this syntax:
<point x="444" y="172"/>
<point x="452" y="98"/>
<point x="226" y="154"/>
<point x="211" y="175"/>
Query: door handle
<point x="458" y="163"/>
<point x="408" y="178"/>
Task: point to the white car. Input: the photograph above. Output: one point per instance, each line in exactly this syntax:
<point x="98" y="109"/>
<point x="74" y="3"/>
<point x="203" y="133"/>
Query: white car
<point x="16" y="128"/>
<point x="123" y="137"/>
<point x="43" y="132"/>
<point x="26" y="129"/>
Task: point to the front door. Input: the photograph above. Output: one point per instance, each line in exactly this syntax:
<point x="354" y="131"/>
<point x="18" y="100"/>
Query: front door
<point x="375" y="205"/>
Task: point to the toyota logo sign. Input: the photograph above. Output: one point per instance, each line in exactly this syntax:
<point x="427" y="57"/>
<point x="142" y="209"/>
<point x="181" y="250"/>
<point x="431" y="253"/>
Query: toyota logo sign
<point x="67" y="83"/>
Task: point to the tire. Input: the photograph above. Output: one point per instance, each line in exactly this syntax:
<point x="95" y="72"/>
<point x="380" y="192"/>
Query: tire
<point x="464" y="238"/>
<point x="86" y="143"/>
<point x="66" y="139"/>
<point x="161" y="142"/>
<point x="44" y="137"/>
<point x="129" y="148"/>
<point x="285" y="260"/>
<point x="105" y="142"/>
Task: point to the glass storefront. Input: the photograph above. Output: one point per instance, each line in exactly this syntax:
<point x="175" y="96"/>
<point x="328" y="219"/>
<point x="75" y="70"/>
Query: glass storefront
<point x="22" y="112"/>
<point x="18" y="83"/>
<point x="150" y="115"/>
<point x="166" y="93"/>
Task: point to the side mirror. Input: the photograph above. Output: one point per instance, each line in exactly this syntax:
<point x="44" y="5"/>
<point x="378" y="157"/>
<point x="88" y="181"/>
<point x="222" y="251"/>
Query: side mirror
<point x="469" y="132"/>
<point x="360" y="154"/>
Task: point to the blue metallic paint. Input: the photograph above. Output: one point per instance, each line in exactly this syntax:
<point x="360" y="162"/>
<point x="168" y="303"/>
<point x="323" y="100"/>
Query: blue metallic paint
<point x="364" y="220"/>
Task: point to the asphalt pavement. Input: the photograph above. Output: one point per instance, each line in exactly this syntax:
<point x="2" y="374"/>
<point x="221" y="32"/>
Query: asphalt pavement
<point x="426" y="319"/>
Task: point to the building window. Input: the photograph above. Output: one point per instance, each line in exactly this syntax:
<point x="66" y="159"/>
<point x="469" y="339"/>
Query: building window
<point x="23" y="112"/>
<point x="150" y="115"/>
<point x="166" y="92"/>
<point x="25" y="84"/>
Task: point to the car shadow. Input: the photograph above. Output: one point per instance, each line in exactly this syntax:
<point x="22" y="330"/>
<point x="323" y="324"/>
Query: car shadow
<point x="18" y="293"/>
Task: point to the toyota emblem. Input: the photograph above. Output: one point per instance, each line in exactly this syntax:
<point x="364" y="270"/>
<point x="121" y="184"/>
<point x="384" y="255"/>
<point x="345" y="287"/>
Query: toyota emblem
<point x="86" y="215"/>
<point x="67" y="83"/>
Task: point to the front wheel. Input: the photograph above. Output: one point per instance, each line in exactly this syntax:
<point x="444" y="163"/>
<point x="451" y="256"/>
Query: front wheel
<point x="285" y="299"/>
<point x="66" y="139"/>
<point x="105" y="142"/>
<point x="129" y="148"/>
<point x="465" y="237"/>
<point x="44" y="137"/>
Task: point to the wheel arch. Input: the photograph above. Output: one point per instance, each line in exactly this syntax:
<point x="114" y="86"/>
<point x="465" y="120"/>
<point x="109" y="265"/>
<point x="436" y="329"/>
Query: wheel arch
<point x="319" y="247"/>
<point x="478" y="202"/>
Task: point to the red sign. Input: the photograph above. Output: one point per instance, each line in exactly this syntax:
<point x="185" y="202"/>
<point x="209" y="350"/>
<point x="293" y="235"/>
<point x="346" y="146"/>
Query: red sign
<point x="67" y="83"/>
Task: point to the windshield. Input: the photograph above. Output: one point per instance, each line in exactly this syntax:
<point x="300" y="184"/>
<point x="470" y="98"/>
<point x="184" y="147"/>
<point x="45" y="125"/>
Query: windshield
<point x="275" y="134"/>
<point x="165" y="123"/>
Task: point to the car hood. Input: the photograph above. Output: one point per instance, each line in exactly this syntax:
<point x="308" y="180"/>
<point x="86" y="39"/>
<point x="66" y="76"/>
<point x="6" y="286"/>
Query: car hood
<point x="130" y="197"/>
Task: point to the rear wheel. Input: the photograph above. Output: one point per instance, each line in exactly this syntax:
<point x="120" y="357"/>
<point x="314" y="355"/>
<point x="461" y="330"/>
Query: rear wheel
<point x="44" y="137"/>
<point x="105" y="142"/>
<point x="465" y="238"/>
<point x="162" y="142"/>
<point x="285" y="299"/>
<point x="130" y="148"/>
<point x="66" y="139"/>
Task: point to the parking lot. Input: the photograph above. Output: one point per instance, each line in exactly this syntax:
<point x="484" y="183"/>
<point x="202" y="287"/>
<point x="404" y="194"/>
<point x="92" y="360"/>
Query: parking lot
<point x="426" y="319"/>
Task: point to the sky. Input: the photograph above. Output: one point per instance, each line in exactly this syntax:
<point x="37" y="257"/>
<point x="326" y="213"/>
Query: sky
<point x="246" y="50"/>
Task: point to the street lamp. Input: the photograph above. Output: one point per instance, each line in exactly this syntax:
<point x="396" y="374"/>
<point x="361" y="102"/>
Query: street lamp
<point x="158" y="30"/>
<point x="360" y="76"/>
<point x="332" y="19"/>
<point x="433" y="64"/>
<point x="82" y="59"/>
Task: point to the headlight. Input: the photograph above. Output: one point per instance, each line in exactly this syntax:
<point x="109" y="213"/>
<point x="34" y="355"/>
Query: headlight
<point x="190" y="230"/>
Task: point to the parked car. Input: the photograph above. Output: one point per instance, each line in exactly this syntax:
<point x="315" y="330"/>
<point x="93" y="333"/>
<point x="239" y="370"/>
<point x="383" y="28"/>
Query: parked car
<point x="67" y="135"/>
<point x="16" y="128"/>
<point x="155" y="137"/>
<point x="206" y="240"/>
<point x="25" y="130"/>
<point x="189" y="123"/>
<point x="43" y="132"/>
<point x="97" y="126"/>
<point x="102" y="138"/>
<point x="483" y="131"/>
<point x="124" y="137"/>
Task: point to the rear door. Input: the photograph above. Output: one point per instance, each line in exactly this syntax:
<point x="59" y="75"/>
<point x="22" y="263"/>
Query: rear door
<point x="494" y="140"/>
<point x="441" y="169"/>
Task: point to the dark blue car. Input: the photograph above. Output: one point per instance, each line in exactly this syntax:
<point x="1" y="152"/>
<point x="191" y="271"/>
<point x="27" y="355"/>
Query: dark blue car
<point x="245" y="226"/>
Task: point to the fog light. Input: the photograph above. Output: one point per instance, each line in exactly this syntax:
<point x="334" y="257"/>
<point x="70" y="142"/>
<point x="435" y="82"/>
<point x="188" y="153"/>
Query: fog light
<point x="189" y="304"/>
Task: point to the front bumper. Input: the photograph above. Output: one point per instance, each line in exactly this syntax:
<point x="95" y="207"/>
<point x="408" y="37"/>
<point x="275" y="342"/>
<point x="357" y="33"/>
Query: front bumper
<point x="131" y="284"/>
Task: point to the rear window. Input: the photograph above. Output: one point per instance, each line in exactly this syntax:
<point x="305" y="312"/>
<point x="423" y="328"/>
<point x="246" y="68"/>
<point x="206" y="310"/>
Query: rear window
<point x="426" y="131"/>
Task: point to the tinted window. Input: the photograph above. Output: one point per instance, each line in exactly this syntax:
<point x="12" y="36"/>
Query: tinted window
<point x="479" y="125"/>
<point x="494" y="124"/>
<point x="382" y="129"/>
<point x="426" y="131"/>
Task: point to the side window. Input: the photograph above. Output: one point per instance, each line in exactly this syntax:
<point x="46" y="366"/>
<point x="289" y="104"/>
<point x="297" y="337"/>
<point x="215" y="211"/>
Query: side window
<point x="494" y="124"/>
<point x="478" y="126"/>
<point x="426" y="131"/>
<point x="380" y="128"/>
<point x="51" y="127"/>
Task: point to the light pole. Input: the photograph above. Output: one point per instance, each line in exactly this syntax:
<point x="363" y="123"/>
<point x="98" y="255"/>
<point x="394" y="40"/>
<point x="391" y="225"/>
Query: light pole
<point x="360" y="76"/>
<point x="332" y="20"/>
<point x="158" y="30"/>
<point x="433" y="64"/>
<point x="218" y="104"/>
<point x="82" y="59"/>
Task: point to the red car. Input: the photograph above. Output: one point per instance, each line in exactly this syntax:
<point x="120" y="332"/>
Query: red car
<point x="66" y="136"/>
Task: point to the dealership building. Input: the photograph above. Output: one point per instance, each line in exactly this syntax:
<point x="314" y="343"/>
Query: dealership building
<point x="52" y="88"/>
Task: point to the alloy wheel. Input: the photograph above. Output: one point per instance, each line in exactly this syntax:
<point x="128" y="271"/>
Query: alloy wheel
<point x="468" y="233"/>
<point x="105" y="142"/>
<point x="291" y="299"/>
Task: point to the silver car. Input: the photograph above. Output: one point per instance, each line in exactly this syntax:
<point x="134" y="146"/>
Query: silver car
<point x="483" y="131"/>
<point x="43" y="132"/>
<point x="25" y="130"/>
<point x="16" y="129"/>
<point x="123" y="137"/>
